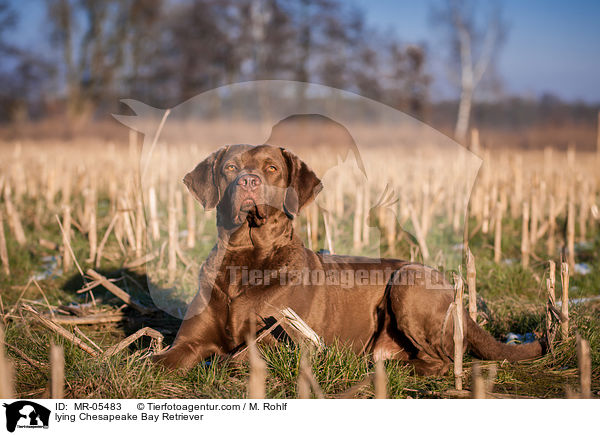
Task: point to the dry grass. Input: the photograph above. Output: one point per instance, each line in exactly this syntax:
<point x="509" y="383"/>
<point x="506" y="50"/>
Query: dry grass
<point x="44" y="176"/>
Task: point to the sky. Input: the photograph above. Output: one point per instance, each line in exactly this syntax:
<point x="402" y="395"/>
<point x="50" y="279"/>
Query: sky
<point x="551" y="46"/>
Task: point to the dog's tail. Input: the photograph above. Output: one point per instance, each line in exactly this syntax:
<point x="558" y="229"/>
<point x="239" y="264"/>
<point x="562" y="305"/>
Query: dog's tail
<point x="487" y="347"/>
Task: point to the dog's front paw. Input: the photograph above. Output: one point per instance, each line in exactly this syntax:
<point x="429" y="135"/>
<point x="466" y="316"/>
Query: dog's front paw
<point x="174" y="359"/>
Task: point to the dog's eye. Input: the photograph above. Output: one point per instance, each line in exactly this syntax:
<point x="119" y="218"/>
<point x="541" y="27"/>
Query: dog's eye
<point x="230" y="167"/>
<point x="271" y="168"/>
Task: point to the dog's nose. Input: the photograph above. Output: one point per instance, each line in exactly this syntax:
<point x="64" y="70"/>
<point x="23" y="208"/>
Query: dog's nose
<point x="249" y="182"/>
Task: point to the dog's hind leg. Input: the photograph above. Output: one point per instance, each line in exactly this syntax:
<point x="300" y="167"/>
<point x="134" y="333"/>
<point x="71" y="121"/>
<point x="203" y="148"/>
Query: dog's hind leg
<point x="418" y="299"/>
<point x="427" y="365"/>
<point x="391" y="343"/>
<point x="386" y="347"/>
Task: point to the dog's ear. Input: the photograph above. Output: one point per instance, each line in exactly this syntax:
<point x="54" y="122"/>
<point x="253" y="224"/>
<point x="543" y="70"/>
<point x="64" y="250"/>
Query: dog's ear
<point x="303" y="184"/>
<point x="202" y="181"/>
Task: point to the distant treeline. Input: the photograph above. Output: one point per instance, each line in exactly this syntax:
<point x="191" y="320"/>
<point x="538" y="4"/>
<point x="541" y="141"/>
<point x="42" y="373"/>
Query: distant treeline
<point x="517" y="113"/>
<point x="162" y="52"/>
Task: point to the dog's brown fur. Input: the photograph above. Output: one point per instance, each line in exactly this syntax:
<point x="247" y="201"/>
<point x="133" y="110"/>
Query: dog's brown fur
<point x="257" y="192"/>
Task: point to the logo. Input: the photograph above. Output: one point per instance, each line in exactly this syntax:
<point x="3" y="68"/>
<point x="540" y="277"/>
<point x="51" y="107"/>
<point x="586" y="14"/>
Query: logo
<point x="24" y="414"/>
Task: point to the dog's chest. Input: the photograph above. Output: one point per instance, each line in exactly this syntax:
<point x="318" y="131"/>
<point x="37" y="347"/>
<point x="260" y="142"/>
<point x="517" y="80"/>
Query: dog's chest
<point x="255" y="270"/>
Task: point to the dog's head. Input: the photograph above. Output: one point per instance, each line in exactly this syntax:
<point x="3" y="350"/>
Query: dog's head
<point x="252" y="183"/>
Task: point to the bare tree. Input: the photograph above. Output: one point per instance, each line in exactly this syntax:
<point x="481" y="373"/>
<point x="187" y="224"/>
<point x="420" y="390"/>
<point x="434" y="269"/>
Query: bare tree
<point x="7" y="23"/>
<point x="474" y="40"/>
<point x="8" y="104"/>
<point x="91" y="37"/>
<point x="408" y="79"/>
<point x="24" y="75"/>
<point x="144" y="18"/>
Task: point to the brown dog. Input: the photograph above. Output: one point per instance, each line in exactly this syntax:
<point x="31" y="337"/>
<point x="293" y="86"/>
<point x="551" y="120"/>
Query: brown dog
<point x="390" y="308"/>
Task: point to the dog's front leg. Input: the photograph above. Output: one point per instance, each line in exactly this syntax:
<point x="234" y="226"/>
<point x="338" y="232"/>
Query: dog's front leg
<point x="248" y="312"/>
<point x="200" y="336"/>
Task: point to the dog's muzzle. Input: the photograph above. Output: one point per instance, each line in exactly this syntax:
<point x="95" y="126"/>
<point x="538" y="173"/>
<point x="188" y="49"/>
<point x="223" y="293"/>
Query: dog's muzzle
<point x="248" y="190"/>
<point x="248" y="200"/>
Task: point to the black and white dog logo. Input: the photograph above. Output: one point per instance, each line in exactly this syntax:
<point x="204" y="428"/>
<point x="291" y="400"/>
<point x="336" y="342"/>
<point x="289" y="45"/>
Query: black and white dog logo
<point x="26" y="414"/>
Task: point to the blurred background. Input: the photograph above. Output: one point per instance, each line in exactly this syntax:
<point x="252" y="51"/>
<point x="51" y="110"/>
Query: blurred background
<point x="524" y="73"/>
